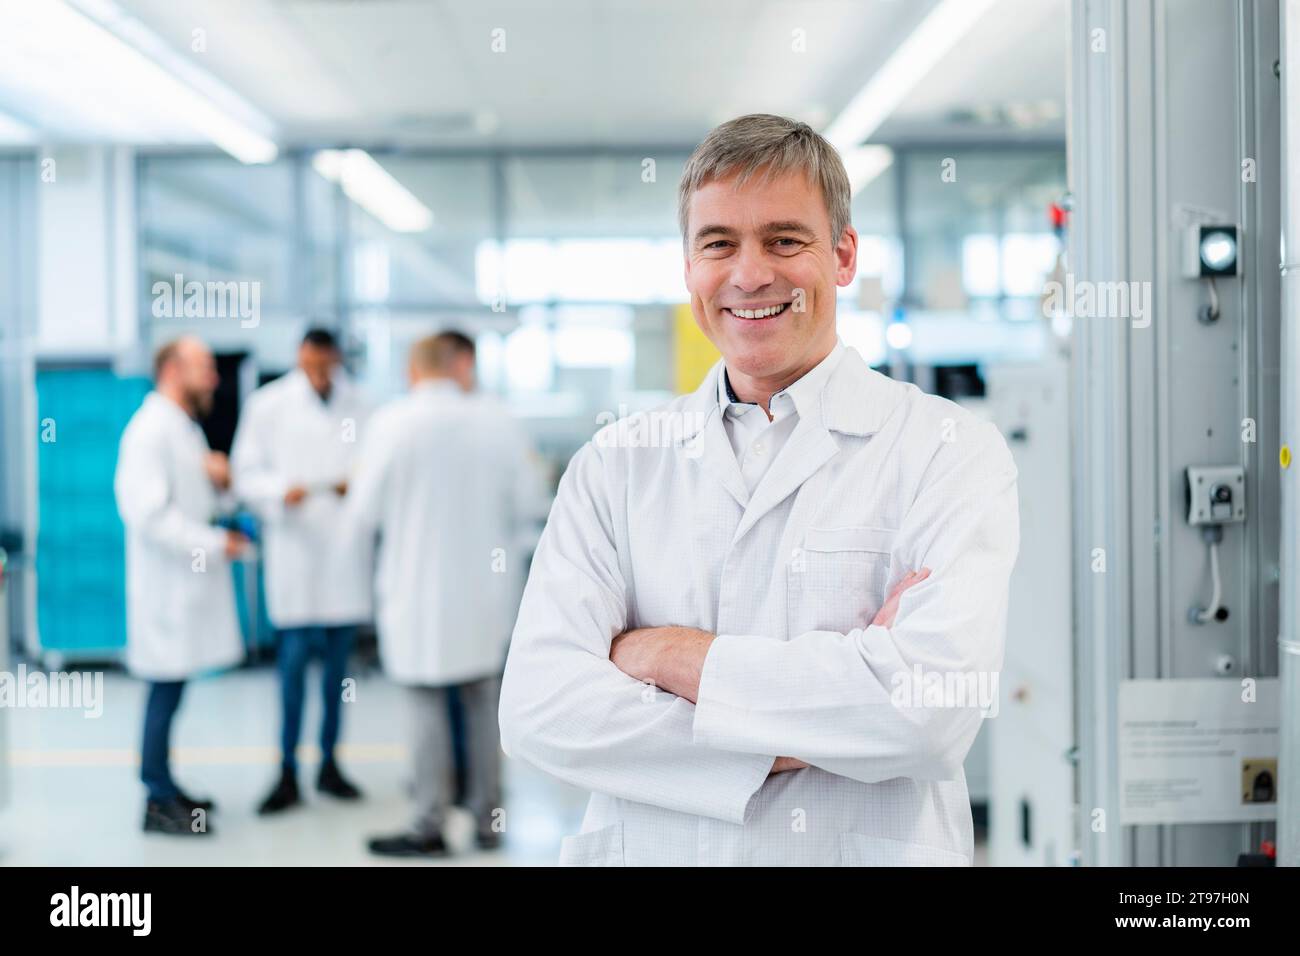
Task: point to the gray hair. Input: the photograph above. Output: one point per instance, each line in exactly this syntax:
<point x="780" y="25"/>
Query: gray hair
<point x="772" y="145"/>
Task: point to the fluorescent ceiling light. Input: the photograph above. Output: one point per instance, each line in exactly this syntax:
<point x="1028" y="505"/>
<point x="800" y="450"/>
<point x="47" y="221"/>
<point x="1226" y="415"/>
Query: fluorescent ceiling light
<point x="929" y="43"/>
<point x="373" y="188"/>
<point x="93" y="69"/>
<point x="865" y="163"/>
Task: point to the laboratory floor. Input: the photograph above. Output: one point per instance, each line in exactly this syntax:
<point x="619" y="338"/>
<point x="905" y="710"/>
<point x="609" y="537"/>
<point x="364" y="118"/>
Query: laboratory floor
<point x="75" y="798"/>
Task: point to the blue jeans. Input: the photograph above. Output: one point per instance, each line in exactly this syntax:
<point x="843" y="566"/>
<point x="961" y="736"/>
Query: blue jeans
<point x="155" y="767"/>
<point x="297" y="644"/>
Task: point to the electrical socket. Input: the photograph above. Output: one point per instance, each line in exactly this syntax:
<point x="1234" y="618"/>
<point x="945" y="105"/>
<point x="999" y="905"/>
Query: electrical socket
<point x="1216" y="495"/>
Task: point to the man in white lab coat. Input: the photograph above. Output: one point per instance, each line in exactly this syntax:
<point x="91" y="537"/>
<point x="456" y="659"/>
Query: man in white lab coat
<point x="753" y="616"/>
<point x="293" y="453"/>
<point x="180" y="598"/>
<point x="446" y="483"/>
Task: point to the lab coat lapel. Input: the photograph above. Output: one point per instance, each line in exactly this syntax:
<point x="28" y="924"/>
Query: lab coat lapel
<point x="705" y="430"/>
<point x="720" y="459"/>
<point x="854" y="401"/>
<point x="809" y="447"/>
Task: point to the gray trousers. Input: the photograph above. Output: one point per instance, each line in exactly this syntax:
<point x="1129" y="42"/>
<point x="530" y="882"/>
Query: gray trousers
<point x="432" y="755"/>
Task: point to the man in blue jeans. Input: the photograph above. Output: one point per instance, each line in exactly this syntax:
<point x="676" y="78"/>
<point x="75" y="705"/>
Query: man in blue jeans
<point x="180" y="606"/>
<point x="292" y="457"/>
<point x="297" y="645"/>
<point x="160" y="709"/>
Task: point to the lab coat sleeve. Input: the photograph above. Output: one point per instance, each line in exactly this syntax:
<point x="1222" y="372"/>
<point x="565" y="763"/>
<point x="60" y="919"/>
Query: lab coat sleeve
<point x="857" y="704"/>
<point x="368" y="482"/>
<point x="253" y="475"/>
<point x="146" y="499"/>
<point x="568" y="710"/>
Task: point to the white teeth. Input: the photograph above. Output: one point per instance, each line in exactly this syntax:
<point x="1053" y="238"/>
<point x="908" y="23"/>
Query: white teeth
<point x="758" y="313"/>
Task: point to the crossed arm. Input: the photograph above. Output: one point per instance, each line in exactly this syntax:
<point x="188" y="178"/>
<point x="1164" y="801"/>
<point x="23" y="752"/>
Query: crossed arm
<point x="693" y="722"/>
<point x="673" y="657"/>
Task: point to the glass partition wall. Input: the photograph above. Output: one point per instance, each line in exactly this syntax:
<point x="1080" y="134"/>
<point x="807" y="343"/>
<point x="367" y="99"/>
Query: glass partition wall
<point x="567" y="265"/>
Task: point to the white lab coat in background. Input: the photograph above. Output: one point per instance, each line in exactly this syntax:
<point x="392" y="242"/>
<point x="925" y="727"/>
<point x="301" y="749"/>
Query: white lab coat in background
<point x="287" y="436"/>
<point x="180" y="596"/>
<point x="867" y="487"/>
<point x="446" y="481"/>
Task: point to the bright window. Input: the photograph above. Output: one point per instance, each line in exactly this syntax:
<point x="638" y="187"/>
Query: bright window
<point x="1015" y="266"/>
<point x="580" y="270"/>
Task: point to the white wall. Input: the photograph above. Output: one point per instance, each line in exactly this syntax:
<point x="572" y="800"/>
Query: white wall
<point x="86" y="251"/>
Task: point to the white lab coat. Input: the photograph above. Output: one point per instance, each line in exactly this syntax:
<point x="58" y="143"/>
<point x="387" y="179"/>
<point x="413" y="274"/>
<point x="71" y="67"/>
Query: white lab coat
<point x="180" y="597"/>
<point x="877" y="479"/>
<point x="287" y="436"/>
<point x="446" y="482"/>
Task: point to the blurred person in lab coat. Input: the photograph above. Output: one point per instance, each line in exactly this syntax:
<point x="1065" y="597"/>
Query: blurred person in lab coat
<point x="446" y="483"/>
<point x="725" y="631"/>
<point x="180" y="601"/>
<point x="294" y="450"/>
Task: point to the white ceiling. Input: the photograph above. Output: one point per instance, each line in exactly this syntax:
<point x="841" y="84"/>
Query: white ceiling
<point x="604" y="72"/>
<point x="1009" y="71"/>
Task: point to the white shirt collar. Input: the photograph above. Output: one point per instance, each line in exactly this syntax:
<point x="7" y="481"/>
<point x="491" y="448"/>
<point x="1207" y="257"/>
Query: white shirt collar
<point x="800" y="392"/>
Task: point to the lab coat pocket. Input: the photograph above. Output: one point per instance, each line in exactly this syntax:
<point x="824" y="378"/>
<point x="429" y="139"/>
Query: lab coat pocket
<point x="603" y="847"/>
<point x="837" y="578"/>
<point x="859" y="849"/>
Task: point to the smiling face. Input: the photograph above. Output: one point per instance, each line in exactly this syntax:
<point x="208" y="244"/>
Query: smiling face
<point x="762" y="269"/>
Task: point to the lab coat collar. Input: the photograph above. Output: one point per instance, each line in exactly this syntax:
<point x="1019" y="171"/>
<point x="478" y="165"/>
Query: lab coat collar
<point x="339" y="386"/>
<point x="169" y="408"/>
<point x="853" y="398"/>
<point x="858" y="400"/>
<point x="442" y="387"/>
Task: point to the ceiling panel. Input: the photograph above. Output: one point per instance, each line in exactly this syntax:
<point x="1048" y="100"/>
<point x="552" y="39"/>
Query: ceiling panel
<point x="593" y="72"/>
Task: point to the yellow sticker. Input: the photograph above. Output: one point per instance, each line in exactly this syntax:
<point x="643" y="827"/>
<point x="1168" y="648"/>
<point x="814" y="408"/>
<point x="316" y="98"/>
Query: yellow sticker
<point x="1284" y="456"/>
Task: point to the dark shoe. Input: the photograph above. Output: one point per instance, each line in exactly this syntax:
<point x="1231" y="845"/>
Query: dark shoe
<point x="173" y="818"/>
<point x="207" y="806"/>
<point x="332" y="781"/>
<point x="488" y="840"/>
<point x="408" y="845"/>
<point x="284" y="796"/>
